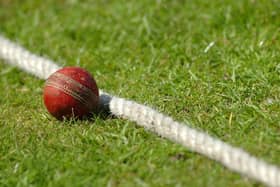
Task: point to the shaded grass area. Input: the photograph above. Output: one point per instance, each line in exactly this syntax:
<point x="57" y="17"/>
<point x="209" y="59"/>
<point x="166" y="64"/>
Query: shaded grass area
<point x="213" y="64"/>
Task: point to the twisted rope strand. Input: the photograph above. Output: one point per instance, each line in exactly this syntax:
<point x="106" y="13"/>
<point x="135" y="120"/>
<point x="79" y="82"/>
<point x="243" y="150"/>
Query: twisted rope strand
<point x="233" y="158"/>
<point x="20" y="57"/>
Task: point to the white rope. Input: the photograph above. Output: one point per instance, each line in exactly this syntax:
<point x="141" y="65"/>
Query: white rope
<point x="20" y="57"/>
<point x="233" y="158"/>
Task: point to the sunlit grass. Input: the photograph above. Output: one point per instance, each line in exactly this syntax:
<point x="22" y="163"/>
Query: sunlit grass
<point x="214" y="65"/>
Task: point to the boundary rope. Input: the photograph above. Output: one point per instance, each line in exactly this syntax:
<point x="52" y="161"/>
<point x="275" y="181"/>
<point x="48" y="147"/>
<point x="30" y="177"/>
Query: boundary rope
<point x="233" y="158"/>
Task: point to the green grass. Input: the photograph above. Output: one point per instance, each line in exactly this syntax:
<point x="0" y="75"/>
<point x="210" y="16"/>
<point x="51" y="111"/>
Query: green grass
<point x="152" y="52"/>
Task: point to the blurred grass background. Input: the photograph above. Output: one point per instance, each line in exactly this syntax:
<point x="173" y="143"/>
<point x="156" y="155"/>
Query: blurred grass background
<point x="214" y="64"/>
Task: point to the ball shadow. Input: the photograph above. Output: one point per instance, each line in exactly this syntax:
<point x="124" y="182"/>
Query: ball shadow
<point x="103" y="111"/>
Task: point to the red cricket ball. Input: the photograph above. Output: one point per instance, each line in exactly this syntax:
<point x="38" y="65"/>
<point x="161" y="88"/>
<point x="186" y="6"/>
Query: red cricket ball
<point x="71" y="92"/>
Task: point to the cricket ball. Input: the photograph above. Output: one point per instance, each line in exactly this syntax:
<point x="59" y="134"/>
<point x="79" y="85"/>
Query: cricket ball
<point x="71" y="92"/>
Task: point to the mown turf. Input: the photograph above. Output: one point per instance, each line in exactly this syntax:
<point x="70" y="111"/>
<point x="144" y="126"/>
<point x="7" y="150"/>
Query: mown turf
<point x="154" y="52"/>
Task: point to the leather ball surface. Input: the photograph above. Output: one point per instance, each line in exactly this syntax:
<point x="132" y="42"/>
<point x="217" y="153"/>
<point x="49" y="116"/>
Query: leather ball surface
<point x="71" y="92"/>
